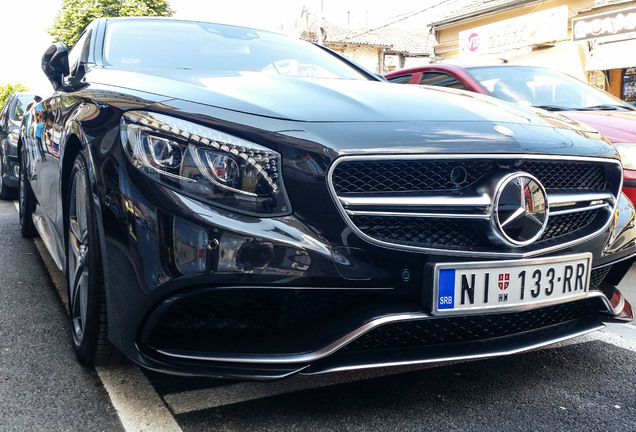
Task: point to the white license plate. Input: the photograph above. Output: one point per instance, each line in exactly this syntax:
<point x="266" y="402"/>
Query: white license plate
<point x="461" y="288"/>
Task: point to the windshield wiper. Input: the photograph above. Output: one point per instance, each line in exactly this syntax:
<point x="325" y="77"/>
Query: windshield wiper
<point x="553" y="107"/>
<point x="607" y="107"/>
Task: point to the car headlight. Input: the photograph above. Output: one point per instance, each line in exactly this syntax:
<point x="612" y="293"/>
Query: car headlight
<point x="628" y="154"/>
<point x="205" y="163"/>
<point x="13" y="139"/>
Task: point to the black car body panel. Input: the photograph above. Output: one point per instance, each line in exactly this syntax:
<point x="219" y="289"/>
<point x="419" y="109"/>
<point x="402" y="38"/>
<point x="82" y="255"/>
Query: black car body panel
<point x="195" y="285"/>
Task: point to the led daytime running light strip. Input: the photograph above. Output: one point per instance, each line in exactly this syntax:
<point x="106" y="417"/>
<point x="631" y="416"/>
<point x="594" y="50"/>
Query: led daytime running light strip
<point x="156" y="124"/>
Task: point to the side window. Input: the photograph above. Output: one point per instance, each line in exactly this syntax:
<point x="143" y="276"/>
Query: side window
<point x="400" y="79"/>
<point x="20" y="106"/>
<point x="17" y="111"/>
<point x="79" y="53"/>
<point x="441" y="79"/>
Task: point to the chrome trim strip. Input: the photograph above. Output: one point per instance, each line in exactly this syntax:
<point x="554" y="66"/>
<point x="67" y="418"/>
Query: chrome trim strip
<point x="485" y="200"/>
<point x="479" y="201"/>
<point x="308" y="357"/>
<point x="451" y="252"/>
<point x="577" y="210"/>
<point x="482" y="201"/>
<point x="554" y="200"/>
<point x="330" y="349"/>
<point x="613" y="311"/>
<point x="460" y="358"/>
<point x="420" y="215"/>
<point x="559" y="199"/>
<point x="325" y="351"/>
<point x="392" y="155"/>
<point x="48" y="240"/>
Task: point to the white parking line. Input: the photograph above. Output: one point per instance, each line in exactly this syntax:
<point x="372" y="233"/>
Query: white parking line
<point x="138" y="405"/>
<point x="622" y="335"/>
<point x="617" y="339"/>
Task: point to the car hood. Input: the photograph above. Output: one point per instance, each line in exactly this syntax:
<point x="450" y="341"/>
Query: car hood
<point x="324" y="100"/>
<point x="616" y="126"/>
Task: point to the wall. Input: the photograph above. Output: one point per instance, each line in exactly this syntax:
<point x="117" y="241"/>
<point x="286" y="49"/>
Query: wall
<point x="615" y="82"/>
<point x="366" y="56"/>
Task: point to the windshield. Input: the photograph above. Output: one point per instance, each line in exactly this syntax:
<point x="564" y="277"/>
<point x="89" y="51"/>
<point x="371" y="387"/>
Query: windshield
<point x="543" y="88"/>
<point x="163" y="44"/>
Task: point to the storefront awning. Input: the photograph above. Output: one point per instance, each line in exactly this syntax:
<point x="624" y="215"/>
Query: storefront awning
<point x="615" y="55"/>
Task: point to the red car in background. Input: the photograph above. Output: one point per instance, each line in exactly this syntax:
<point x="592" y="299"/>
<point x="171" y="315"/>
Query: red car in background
<point x="542" y="88"/>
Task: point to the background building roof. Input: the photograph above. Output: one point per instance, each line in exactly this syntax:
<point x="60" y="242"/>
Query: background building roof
<point x="467" y="9"/>
<point x="416" y="42"/>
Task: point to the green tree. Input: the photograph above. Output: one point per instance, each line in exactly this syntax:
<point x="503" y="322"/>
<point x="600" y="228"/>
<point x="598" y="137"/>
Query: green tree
<point x="75" y="15"/>
<point x="7" y="89"/>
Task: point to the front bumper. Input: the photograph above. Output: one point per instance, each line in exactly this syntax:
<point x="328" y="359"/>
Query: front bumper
<point x="219" y="306"/>
<point x="258" y="342"/>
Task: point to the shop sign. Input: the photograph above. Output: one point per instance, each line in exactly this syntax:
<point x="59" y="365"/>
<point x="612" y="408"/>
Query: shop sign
<point x="597" y="79"/>
<point x="507" y="35"/>
<point x="605" y="24"/>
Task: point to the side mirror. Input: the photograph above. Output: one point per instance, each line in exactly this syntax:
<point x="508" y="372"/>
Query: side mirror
<point x="55" y="64"/>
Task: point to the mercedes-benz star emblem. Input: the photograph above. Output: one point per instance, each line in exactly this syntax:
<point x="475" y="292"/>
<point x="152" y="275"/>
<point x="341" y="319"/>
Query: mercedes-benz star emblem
<point x="521" y="213"/>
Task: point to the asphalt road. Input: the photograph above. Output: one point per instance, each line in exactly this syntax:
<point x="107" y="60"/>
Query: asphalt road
<point x="586" y="383"/>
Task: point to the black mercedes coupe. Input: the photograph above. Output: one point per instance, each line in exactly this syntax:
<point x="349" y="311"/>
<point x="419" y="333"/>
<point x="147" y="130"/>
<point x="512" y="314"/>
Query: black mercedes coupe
<point x="231" y="202"/>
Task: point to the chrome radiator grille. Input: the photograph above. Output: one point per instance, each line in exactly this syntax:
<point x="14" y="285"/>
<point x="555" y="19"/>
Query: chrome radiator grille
<point x="446" y="203"/>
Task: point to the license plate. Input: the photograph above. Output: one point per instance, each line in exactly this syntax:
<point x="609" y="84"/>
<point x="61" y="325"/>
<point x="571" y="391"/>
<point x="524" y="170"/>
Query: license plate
<point x="461" y="288"/>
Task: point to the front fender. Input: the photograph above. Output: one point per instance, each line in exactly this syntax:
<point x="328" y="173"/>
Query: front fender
<point x="623" y="229"/>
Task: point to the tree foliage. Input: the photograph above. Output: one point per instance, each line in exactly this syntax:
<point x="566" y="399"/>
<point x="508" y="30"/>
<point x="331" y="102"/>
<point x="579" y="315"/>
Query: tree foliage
<point x="7" y="89"/>
<point x="75" y="15"/>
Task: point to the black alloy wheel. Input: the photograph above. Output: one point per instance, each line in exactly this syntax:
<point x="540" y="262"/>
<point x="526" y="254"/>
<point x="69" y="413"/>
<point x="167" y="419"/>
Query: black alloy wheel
<point x="85" y="279"/>
<point x="26" y="203"/>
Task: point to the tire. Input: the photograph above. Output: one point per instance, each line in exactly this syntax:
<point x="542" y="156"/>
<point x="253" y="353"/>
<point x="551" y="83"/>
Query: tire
<point x="85" y="279"/>
<point x="26" y="203"/>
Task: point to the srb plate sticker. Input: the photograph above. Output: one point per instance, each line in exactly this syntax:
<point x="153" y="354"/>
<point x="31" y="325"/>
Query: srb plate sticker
<point x="446" y="299"/>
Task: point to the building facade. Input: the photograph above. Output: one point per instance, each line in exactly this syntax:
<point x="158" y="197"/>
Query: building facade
<point x="589" y="39"/>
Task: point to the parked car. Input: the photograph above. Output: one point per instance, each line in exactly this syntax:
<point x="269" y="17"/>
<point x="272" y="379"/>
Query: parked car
<point x="231" y="202"/>
<point x="542" y="88"/>
<point x="10" y="120"/>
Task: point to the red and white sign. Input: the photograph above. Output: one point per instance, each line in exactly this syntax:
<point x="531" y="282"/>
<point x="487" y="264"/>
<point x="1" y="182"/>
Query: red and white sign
<point x="606" y="24"/>
<point x="536" y="28"/>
